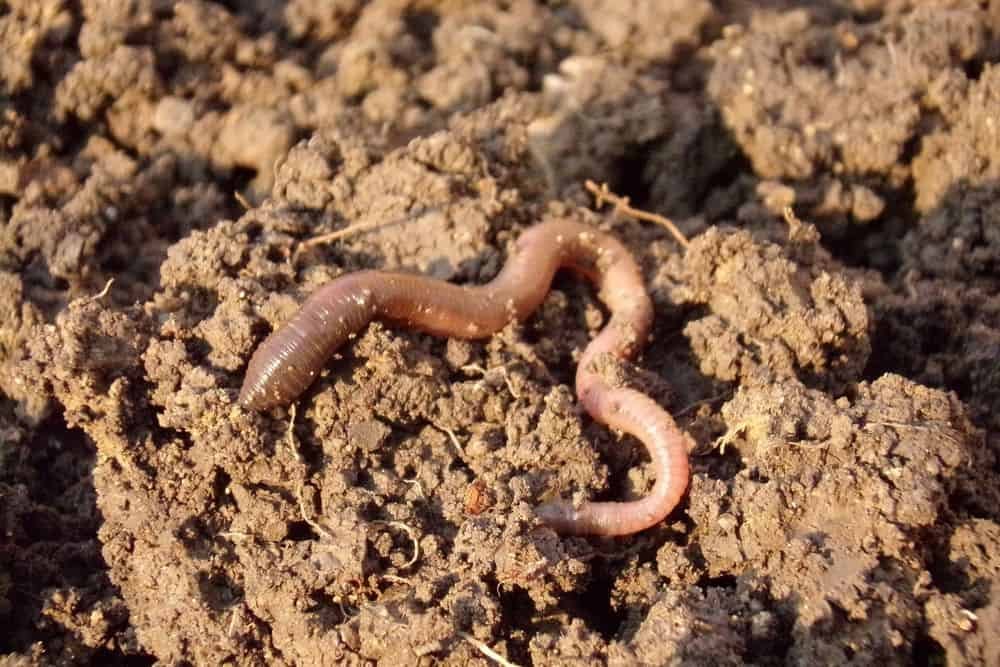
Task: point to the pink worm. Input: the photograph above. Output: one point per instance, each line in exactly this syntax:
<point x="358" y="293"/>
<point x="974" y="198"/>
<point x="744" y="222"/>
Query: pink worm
<point x="287" y="362"/>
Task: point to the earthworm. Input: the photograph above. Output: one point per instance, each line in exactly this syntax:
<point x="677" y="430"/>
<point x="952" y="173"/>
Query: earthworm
<point x="287" y="362"/>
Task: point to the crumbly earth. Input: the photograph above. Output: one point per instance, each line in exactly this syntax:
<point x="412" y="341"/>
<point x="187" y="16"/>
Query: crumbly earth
<point x="168" y="171"/>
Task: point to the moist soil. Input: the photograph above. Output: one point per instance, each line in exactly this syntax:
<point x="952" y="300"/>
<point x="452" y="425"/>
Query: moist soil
<point x="830" y="339"/>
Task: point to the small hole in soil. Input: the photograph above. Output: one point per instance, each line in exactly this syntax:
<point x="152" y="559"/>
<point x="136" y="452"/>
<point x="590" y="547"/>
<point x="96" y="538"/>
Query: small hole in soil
<point x="935" y="338"/>
<point x="239" y="179"/>
<point x="218" y="591"/>
<point x="519" y="608"/>
<point x="300" y="531"/>
<point x="866" y="16"/>
<point x="630" y="182"/>
<point x="422" y="24"/>
<point x="727" y="581"/>
<point x="974" y="69"/>
<point x="116" y="264"/>
<point x="113" y="659"/>
<point x="327" y="612"/>
<point x="927" y="652"/>
<point x="220" y="487"/>
<point x="866" y="246"/>
<point x="254" y="231"/>
<point x="275" y="255"/>
<point x="516" y="603"/>
<point x="737" y="166"/>
<point x="593" y="606"/>
<point x="911" y="148"/>
<point x="725" y="466"/>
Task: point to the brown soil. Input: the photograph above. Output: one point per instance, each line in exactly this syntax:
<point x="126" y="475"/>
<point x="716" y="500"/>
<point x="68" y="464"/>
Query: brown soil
<point x="840" y="373"/>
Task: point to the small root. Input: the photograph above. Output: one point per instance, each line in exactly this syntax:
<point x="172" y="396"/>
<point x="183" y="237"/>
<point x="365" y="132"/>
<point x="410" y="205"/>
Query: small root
<point x="417" y="485"/>
<point x="242" y="201"/>
<point x="412" y="534"/>
<point x="350" y="230"/>
<point x="486" y="650"/>
<point x="290" y="435"/>
<point x="104" y="292"/>
<point x="454" y="439"/>
<point x="731" y="435"/>
<point x="602" y="194"/>
<point x="323" y="532"/>
<point x="234" y="619"/>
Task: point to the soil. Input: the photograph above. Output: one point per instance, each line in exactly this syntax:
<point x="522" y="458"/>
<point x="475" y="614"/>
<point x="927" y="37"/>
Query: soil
<point x="164" y="166"/>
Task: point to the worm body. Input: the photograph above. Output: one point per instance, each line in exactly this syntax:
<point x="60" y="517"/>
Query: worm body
<point x="287" y="362"/>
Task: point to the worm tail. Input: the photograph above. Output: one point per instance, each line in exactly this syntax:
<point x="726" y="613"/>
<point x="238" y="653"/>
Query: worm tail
<point x="640" y="416"/>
